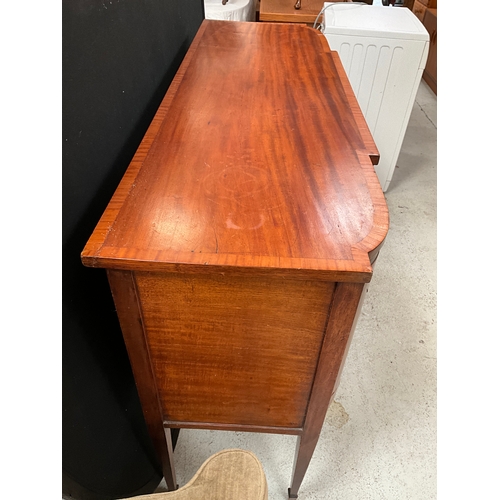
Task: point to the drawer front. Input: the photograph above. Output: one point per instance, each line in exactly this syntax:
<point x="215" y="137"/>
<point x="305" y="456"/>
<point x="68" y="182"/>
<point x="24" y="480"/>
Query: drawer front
<point x="233" y="350"/>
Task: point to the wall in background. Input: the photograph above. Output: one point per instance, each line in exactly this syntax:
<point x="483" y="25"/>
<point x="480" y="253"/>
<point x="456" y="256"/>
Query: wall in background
<point x="119" y="57"/>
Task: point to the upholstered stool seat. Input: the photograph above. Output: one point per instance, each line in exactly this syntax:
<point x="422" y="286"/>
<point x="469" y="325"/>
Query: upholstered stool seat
<point x="228" y="475"/>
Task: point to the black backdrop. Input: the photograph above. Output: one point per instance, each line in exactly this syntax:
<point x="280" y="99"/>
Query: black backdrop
<point x="119" y="58"/>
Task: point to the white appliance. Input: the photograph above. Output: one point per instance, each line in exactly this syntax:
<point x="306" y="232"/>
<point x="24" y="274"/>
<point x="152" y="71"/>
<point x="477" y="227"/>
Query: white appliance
<point x="383" y="51"/>
<point x="233" y="10"/>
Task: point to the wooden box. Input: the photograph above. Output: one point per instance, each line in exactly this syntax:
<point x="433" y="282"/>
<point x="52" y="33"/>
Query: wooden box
<point x="286" y="11"/>
<point x="240" y="240"/>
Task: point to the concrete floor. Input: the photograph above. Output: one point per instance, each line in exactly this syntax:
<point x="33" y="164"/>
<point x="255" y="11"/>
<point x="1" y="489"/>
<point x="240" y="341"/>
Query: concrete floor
<point x="379" y="437"/>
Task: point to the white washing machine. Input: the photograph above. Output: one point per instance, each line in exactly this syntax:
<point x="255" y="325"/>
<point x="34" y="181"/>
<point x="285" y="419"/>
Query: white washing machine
<point x="383" y="51"/>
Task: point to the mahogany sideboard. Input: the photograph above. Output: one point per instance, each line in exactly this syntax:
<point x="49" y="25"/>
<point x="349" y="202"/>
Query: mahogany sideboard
<point x="240" y="240"/>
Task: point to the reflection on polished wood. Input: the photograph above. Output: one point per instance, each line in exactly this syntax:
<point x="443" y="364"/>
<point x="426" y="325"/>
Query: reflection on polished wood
<point x="242" y="235"/>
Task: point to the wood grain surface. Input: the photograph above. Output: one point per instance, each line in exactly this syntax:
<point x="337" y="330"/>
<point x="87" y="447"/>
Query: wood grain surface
<point x="233" y="350"/>
<point x="259" y="157"/>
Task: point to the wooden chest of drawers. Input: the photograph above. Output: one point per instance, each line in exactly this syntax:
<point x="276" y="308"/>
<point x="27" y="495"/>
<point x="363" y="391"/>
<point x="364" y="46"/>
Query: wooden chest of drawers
<point x="240" y="239"/>
<point x="285" y="11"/>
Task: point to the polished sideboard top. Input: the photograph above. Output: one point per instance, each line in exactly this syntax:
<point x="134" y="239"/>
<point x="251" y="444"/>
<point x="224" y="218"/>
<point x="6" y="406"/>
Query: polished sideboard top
<point x="258" y="158"/>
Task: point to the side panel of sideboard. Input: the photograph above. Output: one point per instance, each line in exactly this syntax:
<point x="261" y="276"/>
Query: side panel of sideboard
<point x="232" y="352"/>
<point x="232" y="349"/>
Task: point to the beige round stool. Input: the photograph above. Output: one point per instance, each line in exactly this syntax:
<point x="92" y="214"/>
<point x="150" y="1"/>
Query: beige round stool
<point x="228" y="475"/>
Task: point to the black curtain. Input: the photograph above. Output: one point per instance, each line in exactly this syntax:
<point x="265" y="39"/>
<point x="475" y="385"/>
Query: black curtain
<point x="119" y="58"/>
